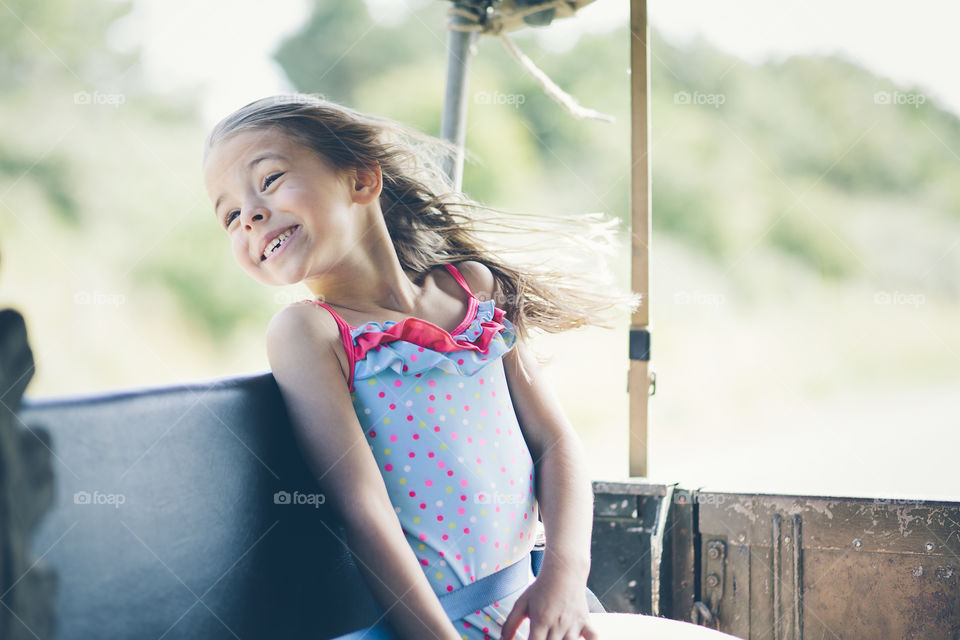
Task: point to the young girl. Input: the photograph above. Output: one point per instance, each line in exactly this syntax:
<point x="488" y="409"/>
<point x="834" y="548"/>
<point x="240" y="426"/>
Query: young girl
<point x="408" y="379"/>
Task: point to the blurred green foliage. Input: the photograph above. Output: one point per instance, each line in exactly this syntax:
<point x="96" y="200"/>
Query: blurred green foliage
<point x="807" y="191"/>
<point x="788" y="161"/>
<point x="45" y="48"/>
<point x="774" y="154"/>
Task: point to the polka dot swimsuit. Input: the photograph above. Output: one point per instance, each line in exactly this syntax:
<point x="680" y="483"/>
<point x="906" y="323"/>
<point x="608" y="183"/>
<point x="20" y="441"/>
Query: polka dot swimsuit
<point x="437" y="414"/>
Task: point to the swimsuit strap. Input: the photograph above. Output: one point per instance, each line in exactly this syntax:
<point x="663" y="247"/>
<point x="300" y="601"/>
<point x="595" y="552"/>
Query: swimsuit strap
<point x="345" y="329"/>
<point x="459" y="278"/>
<point x="472" y="302"/>
<point x="347" y="341"/>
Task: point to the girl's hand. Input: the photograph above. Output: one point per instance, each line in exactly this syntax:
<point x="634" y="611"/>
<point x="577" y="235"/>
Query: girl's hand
<point x="557" y="607"/>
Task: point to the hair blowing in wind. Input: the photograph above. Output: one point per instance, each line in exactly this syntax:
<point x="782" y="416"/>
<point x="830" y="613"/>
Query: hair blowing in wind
<point x="557" y="280"/>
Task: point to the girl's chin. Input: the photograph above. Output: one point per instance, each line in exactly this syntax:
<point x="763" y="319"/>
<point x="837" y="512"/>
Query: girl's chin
<point x="269" y="279"/>
<point x="284" y="279"/>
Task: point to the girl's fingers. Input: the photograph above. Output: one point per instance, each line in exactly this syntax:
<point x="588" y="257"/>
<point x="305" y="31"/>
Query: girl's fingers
<point x="515" y="617"/>
<point x="589" y="633"/>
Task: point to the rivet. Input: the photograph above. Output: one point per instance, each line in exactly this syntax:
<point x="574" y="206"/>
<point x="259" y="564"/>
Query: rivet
<point x="742" y="537"/>
<point x="713" y="553"/>
<point x="928" y="546"/>
<point x="786" y="539"/>
<point x="713" y="580"/>
<point x="858" y="543"/>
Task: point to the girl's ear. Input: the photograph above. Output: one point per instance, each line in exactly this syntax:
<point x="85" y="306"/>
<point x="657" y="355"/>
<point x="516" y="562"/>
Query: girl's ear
<point x="367" y="184"/>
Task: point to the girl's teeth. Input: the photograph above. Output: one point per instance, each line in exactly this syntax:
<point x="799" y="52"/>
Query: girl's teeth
<point x="279" y="240"/>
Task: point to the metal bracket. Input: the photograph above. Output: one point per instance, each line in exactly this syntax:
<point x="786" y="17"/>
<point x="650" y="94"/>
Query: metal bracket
<point x="714" y="574"/>
<point x="707" y="613"/>
<point x="779" y="629"/>
<point x="700" y="615"/>
<point x="639" y="344"/>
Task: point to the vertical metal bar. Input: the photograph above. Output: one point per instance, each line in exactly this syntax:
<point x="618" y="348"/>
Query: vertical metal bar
<point x="797" y="581"/>
<point x="656" y="549"/>
<point x="775" y="552"/>
<point x="453" y="126"/>
<point x="638" y="381"/>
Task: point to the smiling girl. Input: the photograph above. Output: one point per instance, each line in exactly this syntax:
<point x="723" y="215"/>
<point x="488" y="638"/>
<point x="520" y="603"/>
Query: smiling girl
<point x="408" y="378"/>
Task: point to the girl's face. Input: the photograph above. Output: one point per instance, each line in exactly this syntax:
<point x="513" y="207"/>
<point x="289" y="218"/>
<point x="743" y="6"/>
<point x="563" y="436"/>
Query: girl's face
<point x="267" y="188"/>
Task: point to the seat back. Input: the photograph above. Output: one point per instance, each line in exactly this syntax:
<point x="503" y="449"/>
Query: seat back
<point x="167" y="521"/>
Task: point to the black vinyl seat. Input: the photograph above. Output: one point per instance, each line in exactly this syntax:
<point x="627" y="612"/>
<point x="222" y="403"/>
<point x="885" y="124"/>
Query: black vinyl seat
<point x="164" y="522"/>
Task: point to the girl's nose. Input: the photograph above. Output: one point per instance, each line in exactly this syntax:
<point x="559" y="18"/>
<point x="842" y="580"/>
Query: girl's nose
<point x="253" y="214"/>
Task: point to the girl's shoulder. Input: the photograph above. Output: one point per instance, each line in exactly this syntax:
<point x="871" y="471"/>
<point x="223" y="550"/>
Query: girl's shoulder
<point x="300" y="320"/>
<point x="307" y="327"/>
<point x="479" y="278"/>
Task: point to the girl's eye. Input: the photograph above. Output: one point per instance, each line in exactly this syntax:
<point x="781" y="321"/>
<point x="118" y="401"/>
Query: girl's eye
<point x="269" y="180"/>
<point x="266" y="184"/>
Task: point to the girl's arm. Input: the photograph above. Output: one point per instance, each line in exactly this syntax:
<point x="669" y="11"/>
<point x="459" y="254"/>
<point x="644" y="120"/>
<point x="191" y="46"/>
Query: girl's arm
<point x="300" y="350"/>
<point x="563" y="488"/>
<point x="557" y="599"/>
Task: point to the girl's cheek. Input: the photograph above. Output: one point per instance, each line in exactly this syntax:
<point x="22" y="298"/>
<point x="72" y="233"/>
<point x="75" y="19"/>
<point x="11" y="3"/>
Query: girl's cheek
<point x="240" y="252"/>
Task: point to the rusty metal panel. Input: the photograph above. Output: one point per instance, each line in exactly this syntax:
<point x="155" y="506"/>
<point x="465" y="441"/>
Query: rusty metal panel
<point x="893" y="526"/>
<point x="833" y="567"/>
<point x="620" y="565"/>
<point x="625" y="518"/>
<point x="881" y="595"/>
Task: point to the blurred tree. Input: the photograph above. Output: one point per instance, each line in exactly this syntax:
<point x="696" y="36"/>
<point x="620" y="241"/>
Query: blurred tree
<point x="525" y="152"/>
<point x="49" y="44"/>
<point x="724" y="173"/>
<point x="340" y="48"/>
<point x="742" y="150"/>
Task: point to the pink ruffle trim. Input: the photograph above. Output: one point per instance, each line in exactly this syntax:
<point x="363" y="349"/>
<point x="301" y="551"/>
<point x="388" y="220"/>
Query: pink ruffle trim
<point x="430" y="336"/>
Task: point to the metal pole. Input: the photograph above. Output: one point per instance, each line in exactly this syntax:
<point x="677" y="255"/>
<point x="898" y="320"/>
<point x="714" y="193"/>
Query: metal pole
<point x="639" y="380"/>
<point x="453" y="125"/>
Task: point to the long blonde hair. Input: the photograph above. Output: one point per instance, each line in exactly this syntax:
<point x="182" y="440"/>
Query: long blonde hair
<point x="431" y="224"/>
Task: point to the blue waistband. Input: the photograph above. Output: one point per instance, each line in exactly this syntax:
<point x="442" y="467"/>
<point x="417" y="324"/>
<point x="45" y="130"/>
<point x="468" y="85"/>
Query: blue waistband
<point x="468" y="598"/>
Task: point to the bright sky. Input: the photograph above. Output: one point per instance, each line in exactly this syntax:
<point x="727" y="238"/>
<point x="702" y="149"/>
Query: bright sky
<point x="221" y="49"/>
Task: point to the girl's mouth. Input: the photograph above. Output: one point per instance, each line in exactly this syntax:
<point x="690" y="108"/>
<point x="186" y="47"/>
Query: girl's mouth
<point x="279" y="243"/>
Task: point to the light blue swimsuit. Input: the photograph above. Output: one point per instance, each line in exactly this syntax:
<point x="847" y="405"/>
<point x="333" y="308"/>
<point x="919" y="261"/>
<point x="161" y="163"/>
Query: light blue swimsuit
<point x="438" y="417"/>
